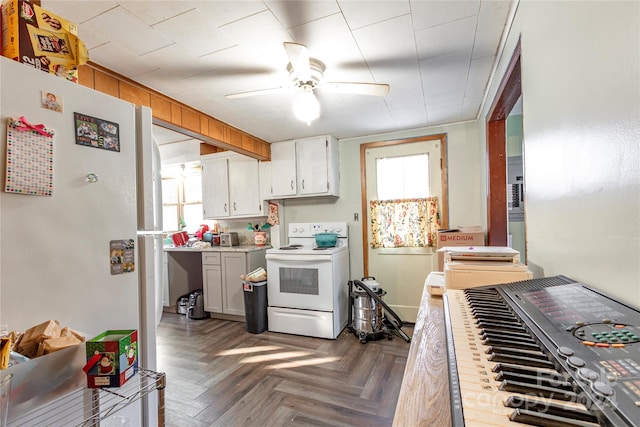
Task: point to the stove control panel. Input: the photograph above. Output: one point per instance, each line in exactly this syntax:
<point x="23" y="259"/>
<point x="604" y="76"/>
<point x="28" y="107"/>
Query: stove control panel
<point x="309" y="229"/>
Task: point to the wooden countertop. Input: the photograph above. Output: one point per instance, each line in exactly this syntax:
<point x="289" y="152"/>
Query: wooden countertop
<point x="424" y="394"/>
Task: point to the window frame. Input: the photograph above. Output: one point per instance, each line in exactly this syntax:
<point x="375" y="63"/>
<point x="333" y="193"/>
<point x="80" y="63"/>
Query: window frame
<point x="178" y="173"/>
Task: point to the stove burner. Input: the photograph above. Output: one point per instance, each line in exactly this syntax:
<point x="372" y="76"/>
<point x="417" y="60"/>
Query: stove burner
<point x="290" y="247"/>
<point x="324" y="248"/>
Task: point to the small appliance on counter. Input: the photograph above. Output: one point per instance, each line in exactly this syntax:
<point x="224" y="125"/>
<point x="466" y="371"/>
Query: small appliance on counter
<point x="229" y="239"/>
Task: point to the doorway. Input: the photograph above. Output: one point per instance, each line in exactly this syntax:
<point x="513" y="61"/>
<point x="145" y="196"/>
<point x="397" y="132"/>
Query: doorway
<point x="401" y="271"/>
<point x="507" y="96"/>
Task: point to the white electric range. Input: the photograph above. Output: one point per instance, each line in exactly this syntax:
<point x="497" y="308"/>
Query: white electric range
<point x="307" y="288"/>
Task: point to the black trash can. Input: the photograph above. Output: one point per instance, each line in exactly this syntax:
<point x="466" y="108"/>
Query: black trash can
<point x="255" y="306"/>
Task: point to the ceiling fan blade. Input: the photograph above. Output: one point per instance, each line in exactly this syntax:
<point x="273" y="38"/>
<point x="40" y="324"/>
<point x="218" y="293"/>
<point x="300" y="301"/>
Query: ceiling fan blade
<point x="299" y="57"/>
<point x="372" y="89"/>
<point x="256" y="92"/>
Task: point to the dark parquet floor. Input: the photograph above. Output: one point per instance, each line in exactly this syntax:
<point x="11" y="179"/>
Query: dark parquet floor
<point x="218" y="374"/>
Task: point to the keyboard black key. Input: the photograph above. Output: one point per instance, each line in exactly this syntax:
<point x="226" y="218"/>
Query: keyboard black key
<point x="538" y="390"/>
<point x="546" y="420"/>
<point x="522" y="402"/>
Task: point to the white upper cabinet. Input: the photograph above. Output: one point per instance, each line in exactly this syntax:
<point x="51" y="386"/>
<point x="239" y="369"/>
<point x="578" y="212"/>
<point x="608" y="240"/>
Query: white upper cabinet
<point x="305" y="168"/>
<point x="231" y="186"/>
<point x="215" y="188"/>
<point x="283" y="169"/>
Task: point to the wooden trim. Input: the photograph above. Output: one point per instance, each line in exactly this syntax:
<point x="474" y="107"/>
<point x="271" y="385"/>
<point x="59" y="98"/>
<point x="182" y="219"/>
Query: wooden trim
<point x="508" y="93"/>
<point x="363" y="185"/>
<point x="364" y="208"/>
<point x="172" y="114"/>
<point x="497" y="192"/>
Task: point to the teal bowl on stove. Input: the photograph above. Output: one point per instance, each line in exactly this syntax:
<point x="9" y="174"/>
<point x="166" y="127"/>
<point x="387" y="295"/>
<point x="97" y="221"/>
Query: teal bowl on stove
<point x="326" y="240"/>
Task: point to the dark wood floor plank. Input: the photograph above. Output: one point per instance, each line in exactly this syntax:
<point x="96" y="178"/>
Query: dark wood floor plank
<point x="218" y="374"/>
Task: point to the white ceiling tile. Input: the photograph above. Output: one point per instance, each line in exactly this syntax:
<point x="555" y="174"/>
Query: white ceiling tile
<point x="292" y="13"/>
<point x="362" y="13"/>
<point x="175" y="61"/>
<point x="446" y="38"/>
<point x="78" y="11"/>
<point x="444" y="78"/>
<point x="193" y="33"/>
<point x="151" y="12"/>
<point x="164" y="82"/>
<point x="470" y="107"/>
<point x="139" y="38"/>
<point x="444" y="114"/>
<point x="325" y="36"/>
<point x="431" y="13"/>
<point x="478" y="76"/>
<point x="491" y="24"/>
<point x="388" y="40"/>
<point x="257" y="34"/>
<point x="127" y="64"/>
<point x="223" y="12"/>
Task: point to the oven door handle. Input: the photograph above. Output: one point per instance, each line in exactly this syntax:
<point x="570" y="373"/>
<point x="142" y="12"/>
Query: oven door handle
<point x="297" y="258"/>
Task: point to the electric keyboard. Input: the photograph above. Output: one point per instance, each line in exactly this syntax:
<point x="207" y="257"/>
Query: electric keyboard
<point x="543" y="352"/>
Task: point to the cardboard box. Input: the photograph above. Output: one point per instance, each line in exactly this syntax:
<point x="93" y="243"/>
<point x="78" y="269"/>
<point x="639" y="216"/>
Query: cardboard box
<point x="41" y="39"/>
<point x="112" y="358"/>
<point x="462" y="236"/>
<point x="469" y="274"/>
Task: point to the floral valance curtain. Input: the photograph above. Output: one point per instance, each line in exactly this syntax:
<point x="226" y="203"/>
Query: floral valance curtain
<point x="404" y="222"/>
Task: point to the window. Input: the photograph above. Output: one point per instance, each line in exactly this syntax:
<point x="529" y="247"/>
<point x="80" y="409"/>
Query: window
<point x="403" y="215"/>
<point x="403" y="177"/>
<point x="182" y="198"/>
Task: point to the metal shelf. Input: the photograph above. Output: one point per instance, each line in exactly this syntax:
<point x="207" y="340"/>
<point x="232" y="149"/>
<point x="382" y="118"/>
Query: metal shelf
<point x="86" y="407"/>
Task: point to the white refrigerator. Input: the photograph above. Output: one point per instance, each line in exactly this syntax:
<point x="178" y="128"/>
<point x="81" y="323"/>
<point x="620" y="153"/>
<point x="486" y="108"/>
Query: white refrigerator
<point x="55" y="258"/>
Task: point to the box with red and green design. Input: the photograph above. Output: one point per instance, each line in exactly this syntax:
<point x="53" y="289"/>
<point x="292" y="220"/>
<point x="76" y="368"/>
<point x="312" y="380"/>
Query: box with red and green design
<point x="112" y="358"/>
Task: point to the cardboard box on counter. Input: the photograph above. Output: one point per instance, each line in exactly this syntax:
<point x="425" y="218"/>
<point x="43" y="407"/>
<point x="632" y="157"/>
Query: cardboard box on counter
<point x="41" y="39"/>
<point x="112" y="358"/>
<point x="462" y="236"/>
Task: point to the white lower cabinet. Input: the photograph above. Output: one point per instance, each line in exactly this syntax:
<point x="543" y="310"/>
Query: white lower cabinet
<point x="212" y="282"/>
<point x="222" y="285"/>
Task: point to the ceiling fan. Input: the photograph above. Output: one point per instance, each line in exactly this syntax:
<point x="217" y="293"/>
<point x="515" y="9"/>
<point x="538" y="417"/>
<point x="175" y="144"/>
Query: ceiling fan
<point x="307" y="74"/>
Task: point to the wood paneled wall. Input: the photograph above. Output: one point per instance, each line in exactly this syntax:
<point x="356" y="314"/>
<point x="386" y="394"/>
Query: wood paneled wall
<point x="167" y="112"/>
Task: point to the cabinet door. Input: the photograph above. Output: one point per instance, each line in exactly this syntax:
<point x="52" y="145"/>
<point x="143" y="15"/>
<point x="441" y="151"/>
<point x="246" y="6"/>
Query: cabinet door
<point x="244" y="186"/>
<point x="215" y="188"/>
<point x="212" y="288"/>
<point x="283" y="169"/>
<point x="312" y="165"/>
<point x="233" y="266"/>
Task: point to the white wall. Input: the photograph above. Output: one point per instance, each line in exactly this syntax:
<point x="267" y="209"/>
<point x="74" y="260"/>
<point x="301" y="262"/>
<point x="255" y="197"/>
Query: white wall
<point x="180" y="152"/>
<point x="581" y="109"/>
<point x="466" y="185"/>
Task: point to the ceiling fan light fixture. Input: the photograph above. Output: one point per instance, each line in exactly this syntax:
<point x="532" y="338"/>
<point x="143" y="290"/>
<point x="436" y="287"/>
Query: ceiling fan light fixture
<point x="306" y="107"/>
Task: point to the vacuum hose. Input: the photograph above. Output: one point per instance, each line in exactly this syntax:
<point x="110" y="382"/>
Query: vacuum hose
<point x="396" y="322"/>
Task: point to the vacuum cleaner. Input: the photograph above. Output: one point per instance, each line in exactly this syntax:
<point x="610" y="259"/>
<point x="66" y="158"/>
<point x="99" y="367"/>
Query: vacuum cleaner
<point x="371" y="319"/>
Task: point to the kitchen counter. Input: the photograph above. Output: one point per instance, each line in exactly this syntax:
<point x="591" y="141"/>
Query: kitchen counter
<point x="186" y="273"/>
<point x="241" y="248"/>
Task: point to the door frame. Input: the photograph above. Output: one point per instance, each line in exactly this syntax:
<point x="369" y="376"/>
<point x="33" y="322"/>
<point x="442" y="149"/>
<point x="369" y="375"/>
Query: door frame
<point x="508" y="93"/>
<point x="444" y="213"/>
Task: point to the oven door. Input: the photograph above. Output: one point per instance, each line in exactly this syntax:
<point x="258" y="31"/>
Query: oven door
<point x="300" y="281"/>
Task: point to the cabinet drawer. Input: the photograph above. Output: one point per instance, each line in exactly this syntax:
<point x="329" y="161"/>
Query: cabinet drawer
<point x="211" y="258"/>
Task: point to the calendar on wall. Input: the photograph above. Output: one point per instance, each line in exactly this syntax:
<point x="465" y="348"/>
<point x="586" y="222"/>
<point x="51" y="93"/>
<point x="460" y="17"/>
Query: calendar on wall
<point x="29" y="167"/>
